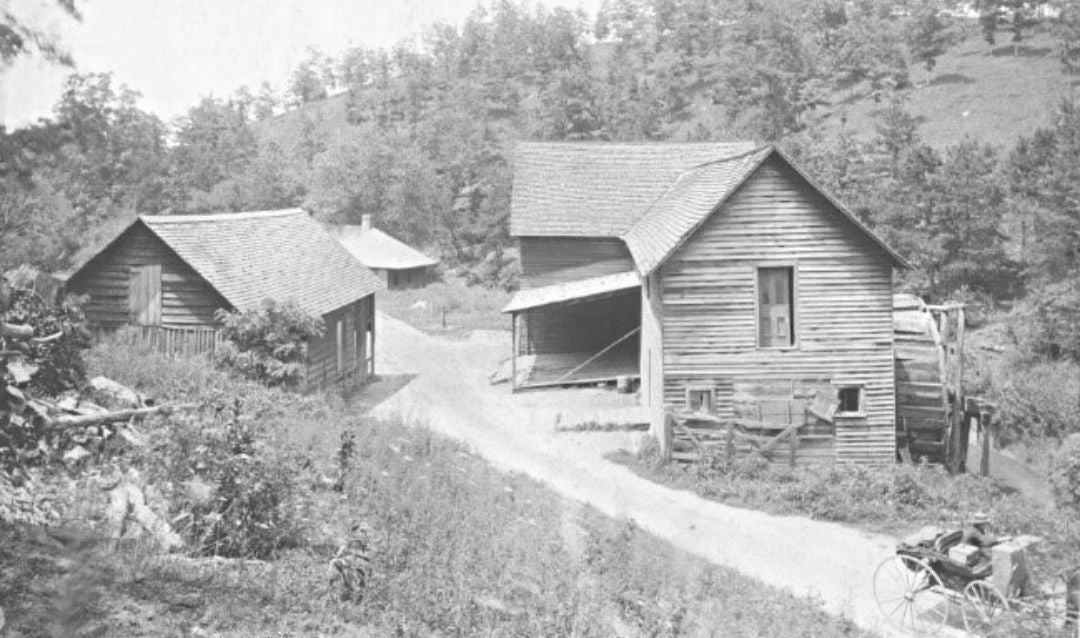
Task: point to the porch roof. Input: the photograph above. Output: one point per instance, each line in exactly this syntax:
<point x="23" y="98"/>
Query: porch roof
<point x="572" y="291"/>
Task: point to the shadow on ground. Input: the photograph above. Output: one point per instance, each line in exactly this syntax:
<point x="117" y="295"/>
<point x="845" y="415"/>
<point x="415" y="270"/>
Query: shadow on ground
<point x="375" y="392"/>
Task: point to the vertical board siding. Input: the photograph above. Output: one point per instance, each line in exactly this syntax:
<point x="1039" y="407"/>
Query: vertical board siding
<point x="555" y="260"/>
<point x="324" y="354"/>
<point x="186" y="299"/>
<point x="843" y="313"/>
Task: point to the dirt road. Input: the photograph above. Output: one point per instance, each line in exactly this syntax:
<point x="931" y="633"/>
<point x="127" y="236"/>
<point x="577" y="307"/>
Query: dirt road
<point x="450" y="393"/>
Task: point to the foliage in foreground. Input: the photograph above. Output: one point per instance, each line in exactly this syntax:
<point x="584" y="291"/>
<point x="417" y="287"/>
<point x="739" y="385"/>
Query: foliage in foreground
<point x="458" y="548"/>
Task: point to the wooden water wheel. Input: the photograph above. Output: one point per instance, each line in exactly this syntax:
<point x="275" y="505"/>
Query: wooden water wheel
<point x="927" y="373"/>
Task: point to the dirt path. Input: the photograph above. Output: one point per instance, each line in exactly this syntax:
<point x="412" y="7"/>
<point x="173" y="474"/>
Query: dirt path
<point x="451" y="394"/>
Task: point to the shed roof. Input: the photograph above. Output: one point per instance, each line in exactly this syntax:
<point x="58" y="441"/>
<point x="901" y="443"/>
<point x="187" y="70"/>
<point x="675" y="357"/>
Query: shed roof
<point x="598" y="189"/>
<point x="377" y="249"/>
<point x="252" y="256"/>
<point x="573" y="291"/>
<point x="697" y="193"/>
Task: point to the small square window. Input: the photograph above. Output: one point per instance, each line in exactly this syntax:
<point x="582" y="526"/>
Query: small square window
<point x="700" y="400"/>
<point x="850" y="400"/>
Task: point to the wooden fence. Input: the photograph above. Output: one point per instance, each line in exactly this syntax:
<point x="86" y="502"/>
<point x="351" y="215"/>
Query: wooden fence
<point x="169" y="340"/>
<point x="688" y="435"/>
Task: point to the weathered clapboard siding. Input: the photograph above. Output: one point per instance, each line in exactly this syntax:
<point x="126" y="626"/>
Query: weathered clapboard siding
<point x="186" y="298"/>
<point x="843" y="305"/>
<point x="587" y="326"/>
<point x="556" y="260"/>
<point x="323" y="367"/>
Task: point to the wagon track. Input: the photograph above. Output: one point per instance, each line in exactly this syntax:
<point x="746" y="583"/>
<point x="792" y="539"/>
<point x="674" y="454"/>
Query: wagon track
<point x="451" y="394"/>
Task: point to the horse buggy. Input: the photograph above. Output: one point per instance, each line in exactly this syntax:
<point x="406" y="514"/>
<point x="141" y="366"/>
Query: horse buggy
<point x="939" y="581"/>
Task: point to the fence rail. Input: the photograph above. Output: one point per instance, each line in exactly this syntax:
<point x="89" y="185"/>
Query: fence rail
<point x="169" y="340"/>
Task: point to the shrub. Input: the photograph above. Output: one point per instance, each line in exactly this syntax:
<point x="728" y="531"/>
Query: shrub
<point x="268" y="344"/>
<point x="1048" y="322"/>
<point x="1065" y="473"/>
<point x="230" y="490"/>
<point x="1038" y="400"/>
<point x="58" y="361"/>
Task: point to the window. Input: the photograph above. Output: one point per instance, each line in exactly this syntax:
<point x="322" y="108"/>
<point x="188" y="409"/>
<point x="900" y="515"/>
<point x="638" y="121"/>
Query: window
<point x="850" y="400"/>
<point x="776" y="307"/>
<point x="700" y="399"/>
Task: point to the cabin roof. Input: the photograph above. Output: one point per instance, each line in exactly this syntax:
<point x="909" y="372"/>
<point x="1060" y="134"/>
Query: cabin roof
<point x="700" y="191"/>
<point x="573" y="291"/>
<point x="377" y="249"/>
<point x="598" y="189"/>
<point x="251" y="256"/>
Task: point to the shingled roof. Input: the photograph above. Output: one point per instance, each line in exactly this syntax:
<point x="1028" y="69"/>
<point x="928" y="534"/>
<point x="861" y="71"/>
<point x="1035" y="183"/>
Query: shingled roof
<point x="376" y="249"/>
<point x="697" y="193"/>
<point x="598" y="189"/>
<point x="248" y="257"/>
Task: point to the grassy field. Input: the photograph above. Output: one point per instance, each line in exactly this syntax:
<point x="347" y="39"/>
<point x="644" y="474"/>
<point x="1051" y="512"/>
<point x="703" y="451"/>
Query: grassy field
<point x="447" y="308"/>
<point x="457" y="547"/>
<point x="977" y="91"/>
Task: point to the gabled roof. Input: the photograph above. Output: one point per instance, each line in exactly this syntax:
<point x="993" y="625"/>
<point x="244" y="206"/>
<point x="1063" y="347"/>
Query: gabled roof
<point x="700" y="191"/>
<point x="376" y="249"/>
<point x="572" y="291"/>
<point x="248" y="257"/>
<point x="597" y="189"/>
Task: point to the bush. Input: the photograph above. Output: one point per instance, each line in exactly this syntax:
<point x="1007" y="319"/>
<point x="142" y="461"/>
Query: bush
<point x="1048" y="322"/>
<point x="230" y="490"/>
<point x="59" y="361"/>
<point x="1065" y="473"/>
<point x="268" y="344"/>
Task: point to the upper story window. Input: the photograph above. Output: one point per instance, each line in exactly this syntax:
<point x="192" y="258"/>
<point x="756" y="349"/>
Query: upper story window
<point x="776" y="307"/>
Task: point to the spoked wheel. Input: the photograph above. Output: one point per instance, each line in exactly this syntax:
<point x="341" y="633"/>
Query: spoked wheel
<point x="911" y="596"/>
<point x="983" y="607"/>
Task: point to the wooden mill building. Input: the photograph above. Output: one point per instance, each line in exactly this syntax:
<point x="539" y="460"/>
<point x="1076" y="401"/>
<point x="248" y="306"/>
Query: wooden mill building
<point x="395" y="262"/>
<point x="169" y="275"/>
<point x="718" y="274"/>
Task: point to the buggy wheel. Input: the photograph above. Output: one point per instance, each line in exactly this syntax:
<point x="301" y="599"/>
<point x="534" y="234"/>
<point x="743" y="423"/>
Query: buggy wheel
<point x="983" y="606"/>
<point x="910" y="595"/>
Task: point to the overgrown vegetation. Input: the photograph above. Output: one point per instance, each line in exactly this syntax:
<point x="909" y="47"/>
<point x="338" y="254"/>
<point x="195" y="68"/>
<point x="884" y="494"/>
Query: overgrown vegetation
<point x="268" y="344"/>
<point x="896" y="499"/>
<point x="457" y="548"/>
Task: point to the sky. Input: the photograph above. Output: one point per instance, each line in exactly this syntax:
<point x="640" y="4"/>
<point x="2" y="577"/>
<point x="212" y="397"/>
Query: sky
<point x="174" y="52"/>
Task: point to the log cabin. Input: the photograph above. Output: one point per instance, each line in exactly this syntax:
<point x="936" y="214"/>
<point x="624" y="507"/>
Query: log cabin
<point x="720" y="276"/>
<point x="398" y="264"/>
<point x="169" y="275"/>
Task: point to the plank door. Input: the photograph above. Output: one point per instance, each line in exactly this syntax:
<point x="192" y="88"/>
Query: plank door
<point x="775" y="307"/>
<point x="144" y="295"/>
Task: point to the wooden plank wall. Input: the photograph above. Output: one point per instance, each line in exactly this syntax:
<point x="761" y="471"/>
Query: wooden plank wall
<point x="186" y="298"/>
<point x="322" y="369"/>
<point x="843" y="305"/>
<point x="586" y="326"/>
<point x="556" y="260"/>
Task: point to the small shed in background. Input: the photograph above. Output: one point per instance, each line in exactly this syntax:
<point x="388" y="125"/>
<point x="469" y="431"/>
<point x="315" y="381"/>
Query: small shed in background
<point x="168" y="275"/>
<point x="395" y="262"/>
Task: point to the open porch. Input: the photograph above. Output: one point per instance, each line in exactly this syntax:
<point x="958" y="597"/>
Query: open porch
<point x="576" y="333"/>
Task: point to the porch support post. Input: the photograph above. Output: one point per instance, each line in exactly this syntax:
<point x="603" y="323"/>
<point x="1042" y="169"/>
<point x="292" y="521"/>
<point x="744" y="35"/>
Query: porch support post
<point x="513" y="351"/>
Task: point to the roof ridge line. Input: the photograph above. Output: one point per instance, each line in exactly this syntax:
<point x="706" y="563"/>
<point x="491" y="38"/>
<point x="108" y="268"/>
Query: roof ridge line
<point x="205" y="217"/>
<point x="730" y="158"/>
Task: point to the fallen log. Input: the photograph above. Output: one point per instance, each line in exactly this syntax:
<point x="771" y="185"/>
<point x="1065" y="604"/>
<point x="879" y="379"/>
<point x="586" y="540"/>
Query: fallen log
<point x="16" y="331"/>
<point x="84" y="420"/>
